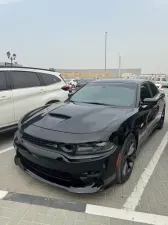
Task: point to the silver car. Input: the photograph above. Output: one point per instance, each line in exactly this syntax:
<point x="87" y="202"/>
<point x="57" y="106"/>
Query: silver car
<point x="159" y="86"/>
<point x="161" y="80"/>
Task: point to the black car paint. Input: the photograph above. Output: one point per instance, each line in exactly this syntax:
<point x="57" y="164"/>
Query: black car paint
<point x="77" y="123"/>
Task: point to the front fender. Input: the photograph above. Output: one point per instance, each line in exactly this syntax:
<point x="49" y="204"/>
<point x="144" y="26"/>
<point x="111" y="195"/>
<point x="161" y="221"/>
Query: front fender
<point x="121" y="131"/>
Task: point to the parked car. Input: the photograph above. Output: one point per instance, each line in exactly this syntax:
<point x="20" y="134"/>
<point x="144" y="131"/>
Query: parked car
<point x="161" y="80"/>
<point x="86" y="143"/>
<point x="24" y="89"/>
<point x="81" y="83"/>
<point x="73" y="82"/>
<point x="159" y="86"/>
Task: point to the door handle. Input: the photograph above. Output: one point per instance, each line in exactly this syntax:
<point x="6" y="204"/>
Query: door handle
<point x="42" y="90"/>
<point x="5" y="98"/>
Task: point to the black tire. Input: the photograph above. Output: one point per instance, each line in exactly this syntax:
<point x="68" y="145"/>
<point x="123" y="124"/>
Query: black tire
<point x="126" y="159"/>
<point x="161" y="122"/>
<point x="16" y="160"/>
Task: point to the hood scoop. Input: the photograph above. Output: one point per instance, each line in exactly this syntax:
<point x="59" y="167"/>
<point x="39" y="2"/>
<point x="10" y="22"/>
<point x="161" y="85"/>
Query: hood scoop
<point x="60" y="116"/>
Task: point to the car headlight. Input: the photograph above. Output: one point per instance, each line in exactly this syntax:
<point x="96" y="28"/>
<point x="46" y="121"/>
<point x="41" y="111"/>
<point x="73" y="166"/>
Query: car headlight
<point x="94" y="148"/>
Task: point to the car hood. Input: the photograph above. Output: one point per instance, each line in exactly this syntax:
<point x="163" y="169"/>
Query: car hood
<point x="76" y="117"/>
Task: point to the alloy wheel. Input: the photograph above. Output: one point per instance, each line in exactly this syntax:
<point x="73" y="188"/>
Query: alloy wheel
<point x="128" y="161"/>
<point x="161" y="122"/>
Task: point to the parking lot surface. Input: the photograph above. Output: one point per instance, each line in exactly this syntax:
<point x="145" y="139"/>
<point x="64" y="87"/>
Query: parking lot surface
<point x="142" y="200"/>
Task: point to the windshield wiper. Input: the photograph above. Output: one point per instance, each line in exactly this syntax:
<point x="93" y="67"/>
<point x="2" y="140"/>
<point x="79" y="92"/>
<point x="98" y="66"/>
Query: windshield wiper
<point x="72" y="101"/>
<point x="96" y="103"/>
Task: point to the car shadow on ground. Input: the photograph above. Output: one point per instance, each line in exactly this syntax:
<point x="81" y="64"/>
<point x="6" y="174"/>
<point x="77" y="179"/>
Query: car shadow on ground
<point x="7" y="136"/>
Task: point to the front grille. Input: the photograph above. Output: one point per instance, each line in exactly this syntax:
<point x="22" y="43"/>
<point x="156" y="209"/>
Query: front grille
<point x="49" y="172"/>
<point x="37" y="141"/>
<point x="53" y="176"/>
<point x="68" y="148"/>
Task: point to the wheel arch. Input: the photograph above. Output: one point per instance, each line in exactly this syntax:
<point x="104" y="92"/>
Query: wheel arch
<point x="123" y="132"/>
<point x="52" y="101"/>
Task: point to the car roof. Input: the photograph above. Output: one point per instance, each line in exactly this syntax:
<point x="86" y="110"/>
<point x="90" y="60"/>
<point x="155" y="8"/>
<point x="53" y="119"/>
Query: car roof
<point x="120" y="80"/>
<point x="28" y="69"/>
<point x="23" y="67"/>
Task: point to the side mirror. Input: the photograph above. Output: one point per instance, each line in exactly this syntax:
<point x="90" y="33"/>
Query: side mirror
<point x="66" y="87"/>
<point x="162" y="94"/>
<point x="149" y="101"/>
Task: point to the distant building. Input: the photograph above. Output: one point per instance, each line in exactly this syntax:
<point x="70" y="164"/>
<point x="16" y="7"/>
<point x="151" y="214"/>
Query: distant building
<point x="94" y="73"/>
<point x="114" y="72"/>
<point x="9" y="64"/>
<point x="52" y="69"/>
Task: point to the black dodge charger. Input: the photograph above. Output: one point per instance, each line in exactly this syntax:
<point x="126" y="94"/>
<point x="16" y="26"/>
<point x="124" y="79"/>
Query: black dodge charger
<point x="90" y="141"/>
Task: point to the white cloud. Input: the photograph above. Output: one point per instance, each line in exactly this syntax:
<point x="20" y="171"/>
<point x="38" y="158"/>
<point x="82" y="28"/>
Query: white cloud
<point x="3" y="2"/>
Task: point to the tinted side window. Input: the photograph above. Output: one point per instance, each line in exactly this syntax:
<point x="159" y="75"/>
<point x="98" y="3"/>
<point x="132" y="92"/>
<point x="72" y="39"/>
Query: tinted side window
<point x="153" y="88"/>
<point x="2" y="81"/>
<point x="23" y="79"/>
<point x="49" y="79"/>
<point x="145" y="92"/>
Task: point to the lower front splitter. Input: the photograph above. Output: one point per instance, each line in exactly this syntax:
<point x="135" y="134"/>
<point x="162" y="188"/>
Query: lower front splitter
<point x="92" y="188"/>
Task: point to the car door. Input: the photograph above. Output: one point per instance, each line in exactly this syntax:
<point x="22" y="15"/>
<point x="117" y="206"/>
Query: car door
<point x="158" y="108"/>
<point x="26" y="89"/>
<point x="145" y="113"/>
<point x="6" y="101"/>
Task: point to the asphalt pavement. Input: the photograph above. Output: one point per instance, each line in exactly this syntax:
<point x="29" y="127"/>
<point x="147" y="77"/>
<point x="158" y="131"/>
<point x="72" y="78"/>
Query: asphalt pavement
<point x="142" y="200"/>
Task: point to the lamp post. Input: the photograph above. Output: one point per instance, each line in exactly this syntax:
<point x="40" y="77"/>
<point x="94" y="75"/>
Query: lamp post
<point x="105" y="56"/>
<point x="11" y="57"/>
<point x="119" y="66"/>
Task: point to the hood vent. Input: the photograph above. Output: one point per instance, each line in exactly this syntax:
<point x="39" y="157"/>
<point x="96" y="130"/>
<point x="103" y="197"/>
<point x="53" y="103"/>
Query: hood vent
<point x="60" y="116"/>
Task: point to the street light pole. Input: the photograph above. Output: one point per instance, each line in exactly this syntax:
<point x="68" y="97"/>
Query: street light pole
<point x="105" y="57"/>
<point x="11" y="57"/>
<point x="119" y="67"/>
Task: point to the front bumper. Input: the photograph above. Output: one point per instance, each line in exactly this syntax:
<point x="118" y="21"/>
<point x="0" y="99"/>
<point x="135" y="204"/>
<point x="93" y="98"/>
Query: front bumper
<point x="78" y="176"/>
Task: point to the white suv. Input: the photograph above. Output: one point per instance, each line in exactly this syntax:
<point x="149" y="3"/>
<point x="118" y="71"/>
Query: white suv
<point x="23" y="89"/>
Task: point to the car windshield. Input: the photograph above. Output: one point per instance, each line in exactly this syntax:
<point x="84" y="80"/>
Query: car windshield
<point x="114" y="94"/>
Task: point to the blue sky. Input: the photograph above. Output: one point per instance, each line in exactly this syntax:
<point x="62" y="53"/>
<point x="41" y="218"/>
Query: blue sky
<point x="70" y="33"/>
